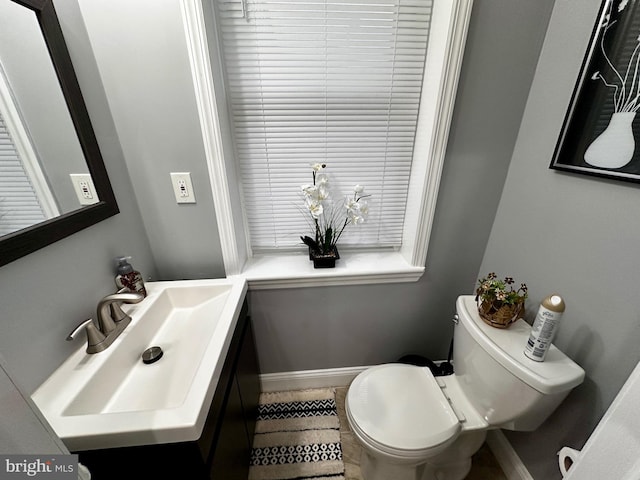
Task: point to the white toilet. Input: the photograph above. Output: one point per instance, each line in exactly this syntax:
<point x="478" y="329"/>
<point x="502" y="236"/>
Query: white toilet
<point x="414" y="426"/>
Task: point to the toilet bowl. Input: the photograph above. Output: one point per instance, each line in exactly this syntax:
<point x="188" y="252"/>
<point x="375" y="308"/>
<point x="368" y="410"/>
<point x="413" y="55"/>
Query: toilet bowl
<point x="414" y="426"/>
<point x="409" y="426"/>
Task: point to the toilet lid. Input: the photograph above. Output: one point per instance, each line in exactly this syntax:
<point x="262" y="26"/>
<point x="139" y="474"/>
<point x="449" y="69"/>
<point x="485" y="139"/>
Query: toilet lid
<point x="401" y="407"/>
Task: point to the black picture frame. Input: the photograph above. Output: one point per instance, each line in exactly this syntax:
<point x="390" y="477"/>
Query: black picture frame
<point x="600" y="135"/>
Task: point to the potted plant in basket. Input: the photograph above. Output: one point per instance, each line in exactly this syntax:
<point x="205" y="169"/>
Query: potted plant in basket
<point x="499" y="304"/>
<point x="327" y="219"/>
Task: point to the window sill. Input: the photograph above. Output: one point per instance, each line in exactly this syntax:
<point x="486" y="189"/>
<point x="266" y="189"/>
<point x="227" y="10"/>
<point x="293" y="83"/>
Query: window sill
<point x="294" y="270"/>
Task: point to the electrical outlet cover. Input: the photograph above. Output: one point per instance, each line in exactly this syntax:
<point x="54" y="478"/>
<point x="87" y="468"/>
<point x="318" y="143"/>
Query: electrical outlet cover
<point x="182" y="187"/>
<point x="84" y="188"/>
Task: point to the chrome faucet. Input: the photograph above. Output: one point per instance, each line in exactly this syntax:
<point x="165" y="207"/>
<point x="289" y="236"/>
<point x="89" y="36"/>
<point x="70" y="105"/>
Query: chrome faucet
<point x="110" y="315"/>
<point x="95" y="338"/>
<point x="112" y="321"/>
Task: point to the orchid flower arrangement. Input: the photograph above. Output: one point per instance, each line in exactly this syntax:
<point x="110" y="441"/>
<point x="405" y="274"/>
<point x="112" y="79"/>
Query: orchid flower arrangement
<point x="625" y="84"/>
<point x="327" y="219"/>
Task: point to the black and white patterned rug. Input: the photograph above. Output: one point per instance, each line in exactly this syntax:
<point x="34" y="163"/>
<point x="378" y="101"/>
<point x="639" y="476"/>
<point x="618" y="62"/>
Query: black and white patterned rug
<point x="297" y="437"/>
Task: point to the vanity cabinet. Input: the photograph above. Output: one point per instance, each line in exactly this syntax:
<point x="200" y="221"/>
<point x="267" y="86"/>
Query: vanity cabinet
<point x="228" y="433"/>
<point x="224" y="447"/>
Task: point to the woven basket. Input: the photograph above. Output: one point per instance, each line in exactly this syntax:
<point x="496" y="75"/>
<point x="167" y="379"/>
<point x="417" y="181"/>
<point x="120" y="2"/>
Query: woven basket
<point x="498" y="315"/>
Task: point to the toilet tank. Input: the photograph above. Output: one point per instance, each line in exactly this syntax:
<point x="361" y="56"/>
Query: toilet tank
<point x="507" y="388"/>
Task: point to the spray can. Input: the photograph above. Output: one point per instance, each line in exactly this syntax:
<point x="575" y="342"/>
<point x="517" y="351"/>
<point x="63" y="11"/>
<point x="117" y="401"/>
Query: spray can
<point x="544" y="327"/>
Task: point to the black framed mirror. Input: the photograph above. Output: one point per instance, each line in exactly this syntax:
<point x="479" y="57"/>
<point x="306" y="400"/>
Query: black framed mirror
<point x="17" y="244"/>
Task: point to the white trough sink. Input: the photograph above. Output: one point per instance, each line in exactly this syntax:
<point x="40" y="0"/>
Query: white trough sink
<point x="113" y="399"/>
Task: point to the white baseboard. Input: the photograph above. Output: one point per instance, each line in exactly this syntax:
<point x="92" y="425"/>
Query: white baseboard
<point x="303" y="379"/>
<point x="507" y="457"/>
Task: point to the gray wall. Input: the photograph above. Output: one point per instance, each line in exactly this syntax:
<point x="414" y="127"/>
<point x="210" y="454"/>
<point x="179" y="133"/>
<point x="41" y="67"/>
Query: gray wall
<point x="140" y="49"/>
<point x="574" y="235"/>
<point x="44" y="295"/>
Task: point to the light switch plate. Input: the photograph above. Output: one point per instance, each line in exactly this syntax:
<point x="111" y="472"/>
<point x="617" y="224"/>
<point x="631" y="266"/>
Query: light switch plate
<point x="182" y="187"/>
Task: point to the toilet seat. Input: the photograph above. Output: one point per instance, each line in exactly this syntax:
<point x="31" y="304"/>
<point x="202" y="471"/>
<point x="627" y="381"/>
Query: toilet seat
<point x="400" y="410"/>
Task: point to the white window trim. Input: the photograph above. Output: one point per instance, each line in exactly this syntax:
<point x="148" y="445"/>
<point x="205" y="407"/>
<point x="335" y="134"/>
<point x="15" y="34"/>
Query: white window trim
<point x="267" y="271"/>
<point x="26" y="152"/>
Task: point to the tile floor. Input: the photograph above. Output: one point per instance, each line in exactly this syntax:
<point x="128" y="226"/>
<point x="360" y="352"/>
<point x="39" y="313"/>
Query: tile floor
<point x="485" y="466"/>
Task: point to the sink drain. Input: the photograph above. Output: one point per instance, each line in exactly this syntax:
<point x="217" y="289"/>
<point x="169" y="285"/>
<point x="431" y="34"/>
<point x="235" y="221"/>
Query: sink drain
<point x="152" y="355"/>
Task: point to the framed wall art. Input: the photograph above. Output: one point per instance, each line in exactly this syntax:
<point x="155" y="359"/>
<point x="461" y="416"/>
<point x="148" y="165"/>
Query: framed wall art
<point x="601" y="131"/>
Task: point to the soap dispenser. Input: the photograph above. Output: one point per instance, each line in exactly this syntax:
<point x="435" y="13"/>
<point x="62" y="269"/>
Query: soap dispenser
<point x="128" y="277"/>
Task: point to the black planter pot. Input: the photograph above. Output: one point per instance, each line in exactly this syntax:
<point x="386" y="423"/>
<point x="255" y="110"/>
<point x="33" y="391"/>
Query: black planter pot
<point x="327" y="260"/>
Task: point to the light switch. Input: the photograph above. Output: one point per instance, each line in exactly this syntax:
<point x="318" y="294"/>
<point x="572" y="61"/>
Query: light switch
<point x="182" y="187"/>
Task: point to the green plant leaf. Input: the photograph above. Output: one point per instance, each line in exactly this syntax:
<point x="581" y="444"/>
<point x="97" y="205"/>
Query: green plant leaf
<point x="328" y="237"/>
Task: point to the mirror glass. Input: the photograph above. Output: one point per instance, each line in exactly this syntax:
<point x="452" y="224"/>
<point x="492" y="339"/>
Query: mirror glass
<point x="52" y="177"/>
<point x="39" y="148"/>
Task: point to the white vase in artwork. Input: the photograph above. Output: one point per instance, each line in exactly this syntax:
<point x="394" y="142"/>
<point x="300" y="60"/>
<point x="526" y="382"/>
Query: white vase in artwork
<point x="614" y="147"/>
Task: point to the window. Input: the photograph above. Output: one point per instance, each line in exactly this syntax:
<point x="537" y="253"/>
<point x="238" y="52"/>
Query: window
<point x="25" y="197"/>
<point x="295" y="100"/>
<point x="19" y="205"/>
<point x="323" y="82"/>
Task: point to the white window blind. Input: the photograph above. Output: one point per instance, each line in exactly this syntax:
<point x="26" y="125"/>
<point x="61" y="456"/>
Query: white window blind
<point x="323" y="81"/>
<point x="19" y="204"/>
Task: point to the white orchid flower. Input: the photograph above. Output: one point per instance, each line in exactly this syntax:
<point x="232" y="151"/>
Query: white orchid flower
<point x="350" y="204"/>
<point x="315" y="209"/>
<point x="322" y="179"/>
<point x="322" y="192"/>
<point x="328" y="219"/>
<point x="310" y="190"/>
<point x="354" y="218"/>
